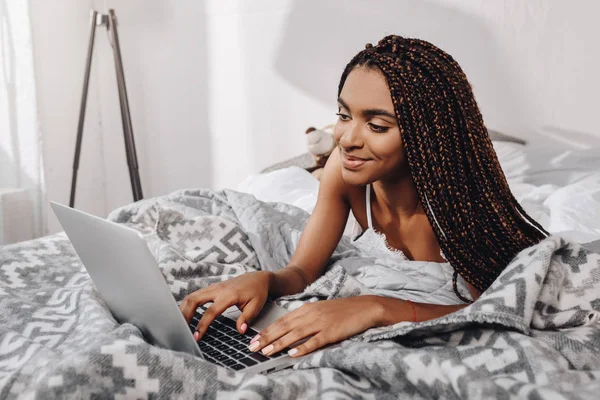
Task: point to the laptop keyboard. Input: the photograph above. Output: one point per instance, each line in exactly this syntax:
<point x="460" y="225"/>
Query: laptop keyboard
<point x="223" y="345"/>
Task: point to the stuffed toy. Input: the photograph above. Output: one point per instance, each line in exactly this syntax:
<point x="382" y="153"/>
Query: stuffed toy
<point x="320" y="145"/>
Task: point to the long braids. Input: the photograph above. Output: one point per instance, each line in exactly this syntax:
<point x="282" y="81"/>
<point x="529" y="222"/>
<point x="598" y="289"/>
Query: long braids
<point x="478" y="223"/>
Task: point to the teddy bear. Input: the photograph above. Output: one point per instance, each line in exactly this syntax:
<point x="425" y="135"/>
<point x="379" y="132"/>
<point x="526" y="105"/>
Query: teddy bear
<point x="320" y="145"/>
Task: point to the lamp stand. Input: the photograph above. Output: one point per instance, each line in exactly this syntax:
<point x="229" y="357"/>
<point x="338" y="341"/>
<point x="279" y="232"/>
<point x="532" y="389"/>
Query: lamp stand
<point x="110" y="21"/>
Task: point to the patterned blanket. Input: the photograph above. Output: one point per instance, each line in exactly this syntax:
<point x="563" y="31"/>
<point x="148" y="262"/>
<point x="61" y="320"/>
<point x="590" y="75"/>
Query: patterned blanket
<point x="533" y="334"/>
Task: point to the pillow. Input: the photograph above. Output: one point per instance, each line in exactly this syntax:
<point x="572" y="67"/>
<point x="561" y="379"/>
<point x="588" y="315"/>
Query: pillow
<point x="292" y="185"/>
<point x="544" y="163"/>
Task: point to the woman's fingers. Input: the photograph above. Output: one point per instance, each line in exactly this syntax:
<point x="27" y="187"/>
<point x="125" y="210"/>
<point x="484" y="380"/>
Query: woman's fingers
<point x="221" y="300"/>
<point x="297" y="334"/>
<point x="249" y="312"/>
<point x="312" y="344"/>
<point x="210" y="314"/>
<point x="295" y="320"/>
<point x="193" y="300"/>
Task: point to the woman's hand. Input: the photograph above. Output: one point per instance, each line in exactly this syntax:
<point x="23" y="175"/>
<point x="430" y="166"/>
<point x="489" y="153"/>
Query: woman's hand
<point x="327" y="321"/>
<point x="248" y="292"/>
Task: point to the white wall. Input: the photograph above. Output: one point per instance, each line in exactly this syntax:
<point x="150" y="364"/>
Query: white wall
<point x="222" y="88"/>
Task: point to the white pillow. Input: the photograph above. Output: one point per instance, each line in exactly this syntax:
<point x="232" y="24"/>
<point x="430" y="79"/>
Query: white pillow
<point x="290" y="185"/>
<point x="557" y="186"/>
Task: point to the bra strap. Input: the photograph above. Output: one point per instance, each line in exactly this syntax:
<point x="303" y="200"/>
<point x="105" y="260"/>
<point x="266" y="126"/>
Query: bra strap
<point x="369" y="219"/>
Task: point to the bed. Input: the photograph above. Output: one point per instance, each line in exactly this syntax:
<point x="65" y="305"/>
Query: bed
<point x="533" y="334"/>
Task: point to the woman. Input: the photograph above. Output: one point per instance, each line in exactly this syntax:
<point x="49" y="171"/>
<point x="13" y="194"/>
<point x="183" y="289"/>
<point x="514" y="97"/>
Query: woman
<point x="416" y="165"/>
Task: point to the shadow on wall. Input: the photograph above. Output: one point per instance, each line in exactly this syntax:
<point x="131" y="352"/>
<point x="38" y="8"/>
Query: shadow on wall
<point x="323" y="35"/>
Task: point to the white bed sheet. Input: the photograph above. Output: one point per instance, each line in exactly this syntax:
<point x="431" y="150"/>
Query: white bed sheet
<point x="558" y="187"/>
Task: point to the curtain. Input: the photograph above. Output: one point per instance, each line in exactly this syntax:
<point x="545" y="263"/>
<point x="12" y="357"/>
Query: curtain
<point x="21" y="172"/>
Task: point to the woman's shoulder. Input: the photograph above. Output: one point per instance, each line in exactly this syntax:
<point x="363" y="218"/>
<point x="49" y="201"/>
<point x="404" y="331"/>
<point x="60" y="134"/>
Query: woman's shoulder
<point x="332" y="183"/>
<point x="332" y="178"/>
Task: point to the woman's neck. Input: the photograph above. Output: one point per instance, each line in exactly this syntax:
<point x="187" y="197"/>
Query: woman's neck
<point x="398" y="197"/>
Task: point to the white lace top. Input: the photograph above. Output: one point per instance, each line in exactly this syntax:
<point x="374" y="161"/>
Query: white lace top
<point x="395" y="277"/>
<point x="357" y="230"/>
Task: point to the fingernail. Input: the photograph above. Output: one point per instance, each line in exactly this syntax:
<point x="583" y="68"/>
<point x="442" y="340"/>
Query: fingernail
<point x="196" y="336"/>
<point x="254" y="339"/>
<point x="244" y="327"/>
<point x="267" y="350"/>
<point x="292" y="352"/>
<point x="253" y="346"/>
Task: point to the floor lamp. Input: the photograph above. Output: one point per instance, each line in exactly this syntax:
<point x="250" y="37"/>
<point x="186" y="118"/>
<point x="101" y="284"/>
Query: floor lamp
<point x="110" y="21"/>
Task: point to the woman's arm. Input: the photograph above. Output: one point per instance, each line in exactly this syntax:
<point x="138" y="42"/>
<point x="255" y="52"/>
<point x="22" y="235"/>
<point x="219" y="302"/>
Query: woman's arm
<point x="330" y="321"/>
<point x="320" y="236"/>
<point x="390" y="311"/>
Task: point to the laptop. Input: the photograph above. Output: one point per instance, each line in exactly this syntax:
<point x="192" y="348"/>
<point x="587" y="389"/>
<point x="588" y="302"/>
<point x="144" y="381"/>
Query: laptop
<point x="129" y="280"/>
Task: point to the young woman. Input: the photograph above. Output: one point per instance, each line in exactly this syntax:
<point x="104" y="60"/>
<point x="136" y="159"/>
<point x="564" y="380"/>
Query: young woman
<point x="415" y="164"/>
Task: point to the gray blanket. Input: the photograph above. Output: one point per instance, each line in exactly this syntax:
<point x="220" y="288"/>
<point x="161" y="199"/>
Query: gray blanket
<point x="533" y="334"/>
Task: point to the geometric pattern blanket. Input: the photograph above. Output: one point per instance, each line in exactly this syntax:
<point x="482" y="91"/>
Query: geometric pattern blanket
<point x="535" y="333"/>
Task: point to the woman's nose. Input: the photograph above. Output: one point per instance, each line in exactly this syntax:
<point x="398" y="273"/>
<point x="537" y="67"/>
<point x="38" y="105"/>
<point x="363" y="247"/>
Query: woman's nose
<point x="350" y="136"/>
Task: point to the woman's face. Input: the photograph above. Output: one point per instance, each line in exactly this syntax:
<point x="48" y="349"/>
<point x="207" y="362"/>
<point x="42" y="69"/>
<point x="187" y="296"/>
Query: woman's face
<point x="367" y="131"/>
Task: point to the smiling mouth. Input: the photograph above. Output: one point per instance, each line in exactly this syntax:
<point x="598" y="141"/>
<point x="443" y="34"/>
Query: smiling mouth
<point x="351" y="162"/>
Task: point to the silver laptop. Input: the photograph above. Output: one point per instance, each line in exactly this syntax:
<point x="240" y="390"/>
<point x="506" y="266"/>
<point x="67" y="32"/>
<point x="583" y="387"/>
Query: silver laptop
<point x="128" y="278"/>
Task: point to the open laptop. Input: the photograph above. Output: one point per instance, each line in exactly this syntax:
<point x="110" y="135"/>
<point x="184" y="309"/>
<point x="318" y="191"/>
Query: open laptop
<point x="128" y="278"/>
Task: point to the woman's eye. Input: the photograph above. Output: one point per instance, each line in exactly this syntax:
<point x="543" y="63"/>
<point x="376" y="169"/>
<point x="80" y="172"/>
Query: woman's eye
<point x="343" y="117"/>
<point x="378" y="128"/>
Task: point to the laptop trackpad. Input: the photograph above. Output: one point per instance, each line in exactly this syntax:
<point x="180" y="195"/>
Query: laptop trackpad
<point x="270" y="313"/>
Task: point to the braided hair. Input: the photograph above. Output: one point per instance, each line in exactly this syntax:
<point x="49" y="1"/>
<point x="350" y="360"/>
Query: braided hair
<point x="478" y="223"/>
